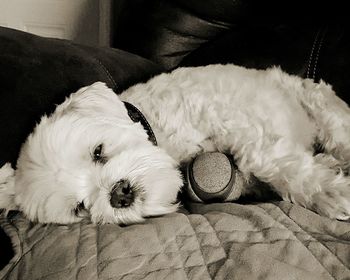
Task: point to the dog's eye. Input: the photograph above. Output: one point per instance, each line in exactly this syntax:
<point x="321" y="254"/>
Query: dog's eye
<point x="79" y="209"/>
<point x="98" y="154"/>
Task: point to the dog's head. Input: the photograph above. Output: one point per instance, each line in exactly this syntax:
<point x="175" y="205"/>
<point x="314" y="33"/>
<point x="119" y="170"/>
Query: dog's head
<point x="89" y="157"/>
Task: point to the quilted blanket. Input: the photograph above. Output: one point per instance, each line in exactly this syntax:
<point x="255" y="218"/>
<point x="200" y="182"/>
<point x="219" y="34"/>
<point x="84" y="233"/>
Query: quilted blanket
<point x="217" y="241"/>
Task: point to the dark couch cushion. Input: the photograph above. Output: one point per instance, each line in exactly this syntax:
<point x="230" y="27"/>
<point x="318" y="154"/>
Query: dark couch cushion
<point x="319" y="52"/>
<point x="6" y="252"/>
<point x="259" y="46"/>
<point x="307" y="38"/>
<point x="168" y="31"/>
<point x="37" y="73"/>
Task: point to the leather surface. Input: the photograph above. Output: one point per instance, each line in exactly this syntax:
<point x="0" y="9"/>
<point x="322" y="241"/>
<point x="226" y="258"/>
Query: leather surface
<point x="37" y="73"/>
<point x="307" y="38"/>
<point x="6" y="252"/>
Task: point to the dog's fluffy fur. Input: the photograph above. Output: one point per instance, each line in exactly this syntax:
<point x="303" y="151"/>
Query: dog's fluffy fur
<point x="269" y="120"/>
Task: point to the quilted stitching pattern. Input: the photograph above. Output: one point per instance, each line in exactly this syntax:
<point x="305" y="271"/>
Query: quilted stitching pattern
<point x="216" y="241"/>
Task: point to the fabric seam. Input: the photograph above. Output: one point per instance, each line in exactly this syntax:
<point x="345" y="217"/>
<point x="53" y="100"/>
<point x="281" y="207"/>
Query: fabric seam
<point x="320" y="44"/>
<point x="312" y="53"/>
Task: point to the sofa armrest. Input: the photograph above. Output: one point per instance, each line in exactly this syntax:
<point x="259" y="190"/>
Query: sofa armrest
<point x="37" y="73"/>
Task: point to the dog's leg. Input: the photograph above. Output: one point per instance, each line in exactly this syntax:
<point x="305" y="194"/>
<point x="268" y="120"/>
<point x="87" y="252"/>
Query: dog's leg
<point x="333" y="118"/>
<point x="299" y="177"/>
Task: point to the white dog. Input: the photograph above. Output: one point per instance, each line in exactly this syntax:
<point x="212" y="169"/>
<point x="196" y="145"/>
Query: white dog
<point x="92" y="156"/>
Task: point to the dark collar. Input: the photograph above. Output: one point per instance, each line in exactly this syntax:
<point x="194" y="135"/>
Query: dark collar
<point x="136" y="116"/>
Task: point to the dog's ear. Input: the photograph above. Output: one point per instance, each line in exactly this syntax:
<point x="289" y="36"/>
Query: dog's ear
<point x="7" y="188"/>
<point x="96" y="98"/>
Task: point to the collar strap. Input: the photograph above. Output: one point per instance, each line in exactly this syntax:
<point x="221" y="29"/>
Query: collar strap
<point x="136" y="116"/>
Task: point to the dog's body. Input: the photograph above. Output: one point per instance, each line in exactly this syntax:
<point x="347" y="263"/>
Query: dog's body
<point x="268" y="120"/>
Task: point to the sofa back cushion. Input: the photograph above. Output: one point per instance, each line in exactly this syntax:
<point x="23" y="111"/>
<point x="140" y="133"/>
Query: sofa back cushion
<point x="38" y="73"/>
<point x="307" y="38"/>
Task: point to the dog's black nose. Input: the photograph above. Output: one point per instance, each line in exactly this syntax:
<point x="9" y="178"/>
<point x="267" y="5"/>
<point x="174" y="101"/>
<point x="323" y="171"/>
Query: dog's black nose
<point x="122" y="195"/>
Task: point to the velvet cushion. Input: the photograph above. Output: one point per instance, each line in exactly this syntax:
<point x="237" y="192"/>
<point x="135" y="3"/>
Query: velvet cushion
<point x="37" y="73"/>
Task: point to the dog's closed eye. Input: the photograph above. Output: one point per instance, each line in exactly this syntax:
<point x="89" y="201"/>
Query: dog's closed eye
<point x="80" y="210"/>
<point x="98" y="155"/>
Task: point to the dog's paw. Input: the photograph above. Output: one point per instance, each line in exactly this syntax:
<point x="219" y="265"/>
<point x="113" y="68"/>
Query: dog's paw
<point x="7" y="189"/>
<point x="333" y="203"/>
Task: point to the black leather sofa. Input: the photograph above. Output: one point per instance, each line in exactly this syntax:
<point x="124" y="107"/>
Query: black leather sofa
<point x="307" y="38"/>
<point x="151" y="36"/>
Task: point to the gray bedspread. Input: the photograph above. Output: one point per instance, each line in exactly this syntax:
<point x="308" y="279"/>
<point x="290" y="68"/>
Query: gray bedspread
<point x="217" y="241"/>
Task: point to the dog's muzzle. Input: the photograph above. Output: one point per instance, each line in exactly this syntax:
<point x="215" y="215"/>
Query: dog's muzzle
<point x="122" y="195"/>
